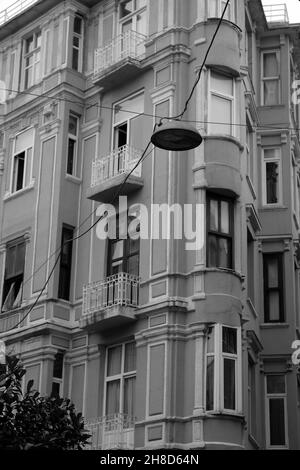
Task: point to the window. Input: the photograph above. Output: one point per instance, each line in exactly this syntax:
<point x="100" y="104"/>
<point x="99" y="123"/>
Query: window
<point x="14" y="274"/>
<point x="272" y="176"/>
<point x="251" y="397"/>
<point x="65" y="264"/>
<point x="223" y="369"/>
<point x="133" y="16"/>
<point x="216" y="8"/>
<point x="22" y="161"/>
<point x="250" y="266"/>
<point x="57" y="381"/>
<point x="120" y="380"/>
<point x="273" y="287"/>
<point x="250" y="150"/>
<point x="219" y="232"/>
<point x="270" y="86"/>
<point x="32" y="59"/>
<point x="77" y="43"/>
<point x="221" y="104"/>
<point x="276" y="411"/>
<point x="72" y="145"/>
<point x="123" y="255"/>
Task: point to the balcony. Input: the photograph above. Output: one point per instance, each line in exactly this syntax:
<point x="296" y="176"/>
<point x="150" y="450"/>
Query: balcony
<point x="111" y="302"/>
<point x="14" y="10"/>
<point x="120" y="60"/>
<point x="108" y="174"/>
<point x="111" y="432"/>
<point x="276" y="14"/>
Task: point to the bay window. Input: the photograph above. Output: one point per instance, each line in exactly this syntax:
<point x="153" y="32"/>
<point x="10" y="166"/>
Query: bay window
<point x="223" y="369"/>
<point x="220" y="229"/>
<point x="276" y="411"/>
<point x="270" y="78"/>
<point x="221" y="104"/>
<point x="120" y="378"/>
<point x="132" y="16"/>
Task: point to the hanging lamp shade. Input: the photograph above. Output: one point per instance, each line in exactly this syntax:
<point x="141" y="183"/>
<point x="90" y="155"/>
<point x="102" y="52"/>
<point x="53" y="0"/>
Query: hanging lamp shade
<point x="177" y="136"/>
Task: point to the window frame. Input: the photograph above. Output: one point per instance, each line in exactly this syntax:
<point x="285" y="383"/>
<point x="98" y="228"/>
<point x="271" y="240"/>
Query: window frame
<point x="230" y="236"/>
<point x="220" y="8"/>
<point x="219" y="357"/>
<point x="278" y="160"/>
<point x="59" y="380"/>
<point x="121" y="376"/>
<point x="265" y="79"/>
<point x="29" y="152"/>
<point x="223" y="96"/>
<point x="78" y="48"/>
<point x="278" y="396"/>
<point x="75" y="139"/>
<point x="66" y="268"/>
<point x="279" y="288"/>
<point x="26" y="55"/>
<point x="15" y="277"/>
<point x="131" y="16"/>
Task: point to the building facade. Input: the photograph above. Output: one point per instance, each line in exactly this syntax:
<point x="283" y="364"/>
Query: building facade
<point x="160" y="346"/>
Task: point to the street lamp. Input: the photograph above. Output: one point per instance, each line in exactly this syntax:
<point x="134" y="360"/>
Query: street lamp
<point x="176" y="135"/>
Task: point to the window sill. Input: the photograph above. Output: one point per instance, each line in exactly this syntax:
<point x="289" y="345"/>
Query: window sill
<point x="10" y="196"/>
<point x="272" y="207"/>
<point x="226" y="414"/>
<point x="265" y="326"/>
<point x="74" y="179"/>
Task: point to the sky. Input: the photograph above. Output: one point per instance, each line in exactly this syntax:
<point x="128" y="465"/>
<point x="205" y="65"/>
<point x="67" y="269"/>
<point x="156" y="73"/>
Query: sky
<point x="293" y="7"/>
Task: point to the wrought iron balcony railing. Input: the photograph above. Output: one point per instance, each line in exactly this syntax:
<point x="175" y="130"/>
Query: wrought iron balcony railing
<point x="276" y="13"/>
<point x="120" y="161"/>
<point x="15" y="9"/>
<point x="128" y="45"/>
<point x="120" y="289"/>
<point x="111" y="432"/>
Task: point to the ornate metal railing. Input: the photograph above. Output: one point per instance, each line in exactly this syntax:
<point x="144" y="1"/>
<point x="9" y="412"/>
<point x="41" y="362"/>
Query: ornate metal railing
<point x="128" y="45"/>
<point x="15" y="9"/>
<point x="121" y="289"/>
<point x="276" y="13"/>
<point x="111" y="432"/>
<point x="121" y="160"/>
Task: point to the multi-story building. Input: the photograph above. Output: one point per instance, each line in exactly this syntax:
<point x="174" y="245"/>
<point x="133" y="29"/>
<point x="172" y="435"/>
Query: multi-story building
<point x="157" y="344"/>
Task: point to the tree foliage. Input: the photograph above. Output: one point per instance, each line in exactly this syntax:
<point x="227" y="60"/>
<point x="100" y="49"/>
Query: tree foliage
<point x="30" y="421"/>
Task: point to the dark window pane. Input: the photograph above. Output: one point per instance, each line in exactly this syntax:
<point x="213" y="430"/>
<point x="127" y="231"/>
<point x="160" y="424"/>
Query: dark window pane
<point x="114" y="358"/>
<point x="77" y="24"/>
<point x="212" y="251"/>
<point x="130" y="357"/>
<point x="71" y="156"/>
<point x="224" y="253"/>
<point x="65" y="264"/>
<point x="229" y="340"/>
<point x="277" y="424"/>
<point x="275" y="384"/>
<point x="272" y="182"/>
<point x="58" y="365"/>
<point x="211" y="340"/>
<point x="133" y="265"/>
<point x="129" y="396"/>
<point x="113" y="397"/>
<point x="273" y="287"/>
<point x="210" y="383"/>
<point x="75" y="59"/>
<point x="229" y="384"/>
<point x="55" y="392"/>
<point x="214" y="214"/>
